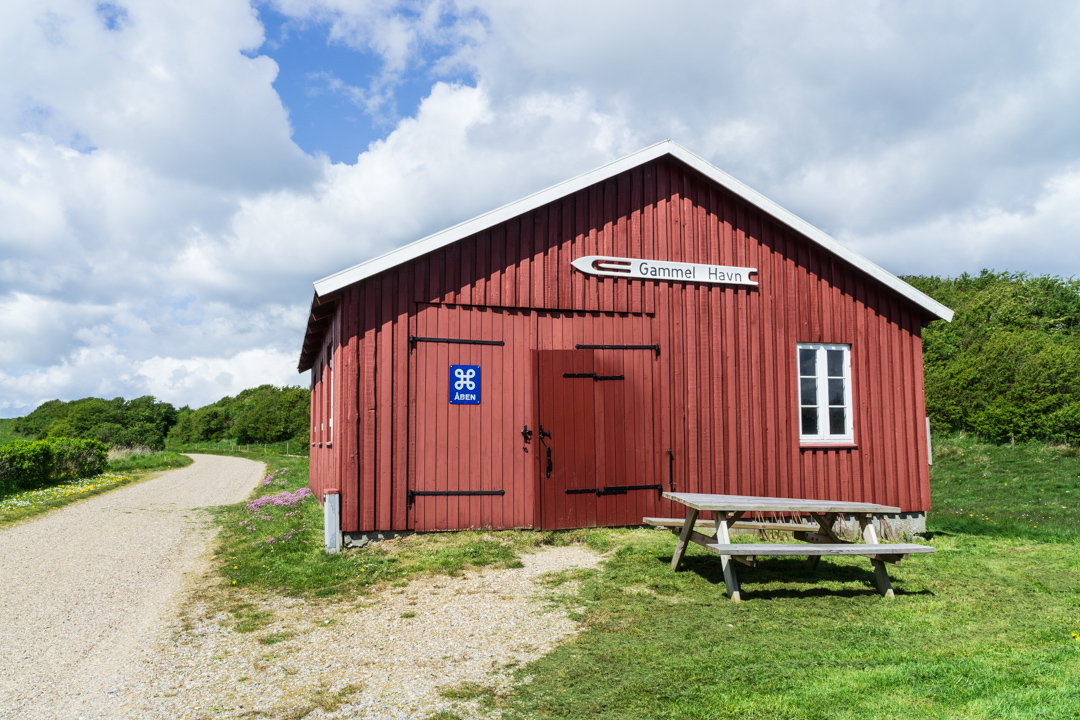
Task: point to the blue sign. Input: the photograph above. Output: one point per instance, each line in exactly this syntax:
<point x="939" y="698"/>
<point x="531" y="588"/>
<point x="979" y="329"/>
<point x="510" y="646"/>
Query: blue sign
<point x="464" y="384"/>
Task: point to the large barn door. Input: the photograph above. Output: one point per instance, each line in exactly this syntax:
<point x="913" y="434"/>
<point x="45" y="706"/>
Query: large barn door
<point x="597" y="387"/>
<point x="472" y="466"/>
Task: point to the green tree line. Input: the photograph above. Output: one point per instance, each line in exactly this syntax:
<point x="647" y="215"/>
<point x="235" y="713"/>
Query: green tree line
<point x="1008" y="365"/>
<point x="258" y="415"/>
<point x="264" y="414"/>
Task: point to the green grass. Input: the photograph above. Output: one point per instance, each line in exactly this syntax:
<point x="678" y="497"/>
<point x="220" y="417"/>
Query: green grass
<point x="7" y="434"/>
<point x="143" y="462"/>
<point x="31" y="503"/>
<point x="257" y="551"/>
<point x="1031" y="491"/>
<point x="983" y="628"/>
<point x="231" y="447"/>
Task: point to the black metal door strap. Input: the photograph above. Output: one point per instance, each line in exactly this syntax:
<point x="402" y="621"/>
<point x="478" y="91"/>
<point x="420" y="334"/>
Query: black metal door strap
<point x="654" y="348"/>
<point x="594" y="376"/>
<point x="613" y="489"/>
<point x="454" y="341"/>
<point x="427" y="493"/>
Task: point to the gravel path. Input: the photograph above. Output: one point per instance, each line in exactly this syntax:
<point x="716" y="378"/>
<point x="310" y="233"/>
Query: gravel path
<point x="385" y="656"/>
<point x="85" y="590"/>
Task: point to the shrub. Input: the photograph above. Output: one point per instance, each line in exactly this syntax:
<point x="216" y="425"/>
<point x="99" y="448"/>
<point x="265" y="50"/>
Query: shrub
<point x="1008" y="365"/>
<point x="25" y="465"/>
<point x="79" y="458"/>
<point x="28" y="465"/>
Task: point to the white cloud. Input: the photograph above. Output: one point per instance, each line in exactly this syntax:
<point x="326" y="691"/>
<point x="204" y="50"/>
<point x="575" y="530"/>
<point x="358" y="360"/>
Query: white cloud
<point x="455" y="159"/>
<point x="1043" y="238"/>
<point x="202" y="380"/>
<point x="159" y="228"/>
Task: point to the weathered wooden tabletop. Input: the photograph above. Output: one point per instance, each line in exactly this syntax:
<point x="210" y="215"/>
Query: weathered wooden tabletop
<point x="746" y="503"/>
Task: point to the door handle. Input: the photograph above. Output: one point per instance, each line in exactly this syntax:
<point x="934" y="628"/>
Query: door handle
<point x="549" y="461"/>
<point x="527" y="434"/>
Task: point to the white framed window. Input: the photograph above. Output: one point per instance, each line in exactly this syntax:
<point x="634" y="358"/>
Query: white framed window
<point x="824" y="393"/>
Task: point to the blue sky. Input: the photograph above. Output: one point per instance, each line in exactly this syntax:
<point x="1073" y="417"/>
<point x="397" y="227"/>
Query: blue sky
<point x="315" y="76"/>
<point x="173" y="176"/>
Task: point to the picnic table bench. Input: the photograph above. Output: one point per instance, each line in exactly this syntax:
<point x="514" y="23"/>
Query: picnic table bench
<point x="816" y="541"/>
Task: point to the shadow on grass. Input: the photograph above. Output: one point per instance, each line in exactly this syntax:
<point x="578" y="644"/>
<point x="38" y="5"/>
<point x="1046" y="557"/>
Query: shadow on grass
<point x="792" y="572"/>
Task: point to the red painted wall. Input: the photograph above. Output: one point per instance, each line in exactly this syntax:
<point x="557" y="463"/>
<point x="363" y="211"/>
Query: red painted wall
<point x="722" y="394"/>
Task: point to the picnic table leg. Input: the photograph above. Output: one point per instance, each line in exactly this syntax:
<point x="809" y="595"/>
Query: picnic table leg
<point x="825" y="523"/>
<point x="870" y="537"/>
<point x="726" y="562"/>
<point x="684" y="537"/>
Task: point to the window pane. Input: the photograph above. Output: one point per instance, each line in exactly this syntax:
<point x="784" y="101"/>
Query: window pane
<point x="835" y="360"/>
<point x="807" y="391"/>
<point x="807" y="362"/>
<point x="809" y="421"/>
<point x="836" y="421"/>
<point x="836" y="391"/>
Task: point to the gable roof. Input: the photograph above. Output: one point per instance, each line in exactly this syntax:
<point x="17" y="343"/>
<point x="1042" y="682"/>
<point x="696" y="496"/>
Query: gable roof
<point x="332" y="283"/>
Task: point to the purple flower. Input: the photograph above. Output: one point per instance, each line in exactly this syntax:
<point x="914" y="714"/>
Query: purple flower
<point x="282" y="499"/>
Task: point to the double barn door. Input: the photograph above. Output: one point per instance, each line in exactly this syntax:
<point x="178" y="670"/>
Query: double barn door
<point x="566" y="433"/>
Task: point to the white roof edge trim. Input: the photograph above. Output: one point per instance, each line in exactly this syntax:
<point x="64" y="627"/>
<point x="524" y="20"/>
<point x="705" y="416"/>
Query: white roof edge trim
<point x="450" y="235"/>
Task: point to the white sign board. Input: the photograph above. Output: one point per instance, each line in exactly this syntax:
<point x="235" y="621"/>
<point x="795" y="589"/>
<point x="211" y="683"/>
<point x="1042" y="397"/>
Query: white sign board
<point x="638" y="269"/>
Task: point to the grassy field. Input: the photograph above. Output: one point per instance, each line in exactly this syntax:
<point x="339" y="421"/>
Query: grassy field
<point x="1031" y="491"/>
<point x="126" y="462"/>
<point x="984" y="628"/>
<point x="6" y="433"/>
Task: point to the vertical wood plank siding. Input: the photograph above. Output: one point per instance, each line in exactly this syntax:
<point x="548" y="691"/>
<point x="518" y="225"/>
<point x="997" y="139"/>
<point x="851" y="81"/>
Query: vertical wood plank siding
<point x="724" y="396"/>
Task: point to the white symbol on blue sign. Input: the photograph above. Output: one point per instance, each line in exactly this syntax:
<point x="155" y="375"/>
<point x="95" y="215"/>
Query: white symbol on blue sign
<point x="464" y="384"/>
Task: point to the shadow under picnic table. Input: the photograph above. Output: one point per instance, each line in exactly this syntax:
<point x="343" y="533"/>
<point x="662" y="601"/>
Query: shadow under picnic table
<point x="791" y="572"/>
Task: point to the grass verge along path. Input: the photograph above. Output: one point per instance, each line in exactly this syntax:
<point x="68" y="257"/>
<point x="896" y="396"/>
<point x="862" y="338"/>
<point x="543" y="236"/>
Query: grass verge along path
<point x="986" y="627"/>
<point x="274" y="543"/>
<point x="31" y="503"/>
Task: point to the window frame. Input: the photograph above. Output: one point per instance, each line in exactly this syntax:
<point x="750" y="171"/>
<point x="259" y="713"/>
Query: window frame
<point x="824" y="437"/>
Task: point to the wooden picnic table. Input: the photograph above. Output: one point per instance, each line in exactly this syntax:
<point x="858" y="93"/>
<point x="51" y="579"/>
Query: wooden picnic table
<point x="816" y="542"/>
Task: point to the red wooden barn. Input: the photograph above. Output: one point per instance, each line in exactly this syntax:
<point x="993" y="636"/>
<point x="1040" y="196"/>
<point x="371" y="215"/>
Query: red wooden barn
<point x="651" y="325"/>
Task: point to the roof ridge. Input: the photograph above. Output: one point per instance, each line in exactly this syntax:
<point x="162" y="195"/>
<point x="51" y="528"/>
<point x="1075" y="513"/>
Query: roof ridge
<point x="450" y="235"/>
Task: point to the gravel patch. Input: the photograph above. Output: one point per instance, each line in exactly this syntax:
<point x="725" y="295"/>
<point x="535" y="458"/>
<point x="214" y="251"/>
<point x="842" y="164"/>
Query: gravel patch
<point x="86" y="588"/>
<point x="383" y="655"/>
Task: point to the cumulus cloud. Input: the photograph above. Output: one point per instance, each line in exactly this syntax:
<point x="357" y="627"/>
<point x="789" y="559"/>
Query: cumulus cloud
<point x="159" y="227"/>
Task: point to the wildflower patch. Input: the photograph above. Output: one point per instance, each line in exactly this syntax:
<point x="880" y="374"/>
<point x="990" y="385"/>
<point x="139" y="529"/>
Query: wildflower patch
<point x="61" y="494"/>
<point x="276" y="519"/>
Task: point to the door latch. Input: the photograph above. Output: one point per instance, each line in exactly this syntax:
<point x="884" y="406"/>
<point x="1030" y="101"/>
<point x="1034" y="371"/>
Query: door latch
<point x="527" y="434"/>
<point x="544" y="433"/>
